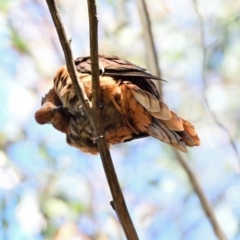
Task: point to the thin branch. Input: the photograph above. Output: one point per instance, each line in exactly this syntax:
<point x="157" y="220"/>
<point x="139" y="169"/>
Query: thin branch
<point x="118" y="199"/>
<point x="191" y="174"/>
<point x="203" y="199"/>
<point x="151" y="56"/>
<point x="94" y="112"/>
<point x="93" y="28"/>
<point x="65" y="43"/>
<point x="204" y="80"/>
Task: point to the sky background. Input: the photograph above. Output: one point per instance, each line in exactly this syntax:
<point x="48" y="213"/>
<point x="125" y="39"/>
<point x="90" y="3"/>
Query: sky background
<point x="49" y="190"/>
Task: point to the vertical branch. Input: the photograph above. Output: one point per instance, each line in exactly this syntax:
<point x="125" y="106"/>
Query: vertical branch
<point x="150" y="50"/>
<point x="65" y="43"/>
<point x="204" y="80"/>
<point x="93" y="29"/>
<point x="191" y="174"/>
<point x="118" y="202"/>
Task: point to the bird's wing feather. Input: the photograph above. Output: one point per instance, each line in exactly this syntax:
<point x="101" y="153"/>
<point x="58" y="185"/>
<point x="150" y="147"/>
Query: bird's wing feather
<point x="113" y="66"/>
<point x="145" y="113"/>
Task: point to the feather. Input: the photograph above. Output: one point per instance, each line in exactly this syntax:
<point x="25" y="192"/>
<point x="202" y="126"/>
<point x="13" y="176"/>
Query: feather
<point x="130" y="107"/>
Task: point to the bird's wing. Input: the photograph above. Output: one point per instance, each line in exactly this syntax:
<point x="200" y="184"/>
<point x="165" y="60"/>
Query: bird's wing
<point x="121" y="69"/>
<point x="145" y="113"/>
<point x="113" y="66"/>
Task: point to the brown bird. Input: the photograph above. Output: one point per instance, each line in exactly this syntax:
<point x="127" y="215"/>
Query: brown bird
<point x="130" y="107"/>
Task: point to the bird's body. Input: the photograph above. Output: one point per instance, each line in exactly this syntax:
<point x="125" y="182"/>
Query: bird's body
<point x="130" y="107"/>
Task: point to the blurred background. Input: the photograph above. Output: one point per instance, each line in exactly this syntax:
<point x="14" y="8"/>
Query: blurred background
<point x="49" y="190"/>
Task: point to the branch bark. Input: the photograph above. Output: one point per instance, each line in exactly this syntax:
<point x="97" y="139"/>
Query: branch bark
<point x="189" y="171"/>
<point x="118" y="204"/>
<point x="93" y="111"/>
<point x="65" y="43"/>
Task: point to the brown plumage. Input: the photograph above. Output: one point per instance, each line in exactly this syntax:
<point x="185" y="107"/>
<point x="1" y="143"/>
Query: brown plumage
<point x="130" y="102"/>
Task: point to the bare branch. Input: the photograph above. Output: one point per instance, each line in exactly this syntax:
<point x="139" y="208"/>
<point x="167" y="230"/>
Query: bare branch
<point x="191" y="175"/>
<point x="93" y="27"/>
<point x="118" y="203"/>
<point x="204" y="80"/>
<point x="65" y="43"/>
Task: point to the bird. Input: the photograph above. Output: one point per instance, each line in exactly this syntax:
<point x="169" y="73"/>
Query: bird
<point x="131" y="107"/>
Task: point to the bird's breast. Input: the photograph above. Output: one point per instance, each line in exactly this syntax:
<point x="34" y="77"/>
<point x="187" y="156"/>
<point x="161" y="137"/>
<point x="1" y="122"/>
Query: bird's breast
<point x="81" y="134"/>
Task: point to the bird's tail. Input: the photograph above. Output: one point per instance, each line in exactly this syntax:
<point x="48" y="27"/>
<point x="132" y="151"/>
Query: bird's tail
<point x="145" y="113"/>
<point x="178" y="139"/>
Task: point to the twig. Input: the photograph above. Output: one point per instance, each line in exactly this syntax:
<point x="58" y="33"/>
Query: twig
<point x="151" y="56"/>
<point x="199" y="191"/>
<point x="118" y="202"/>
<point x="93" y="28"/>
<point x="65" y="43"/>
<point x="191" y="175"/>
<point x="204" y="80"/>
<point x="94" y="112"/>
